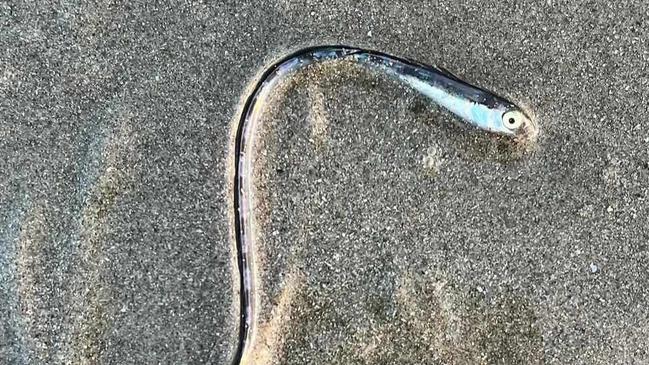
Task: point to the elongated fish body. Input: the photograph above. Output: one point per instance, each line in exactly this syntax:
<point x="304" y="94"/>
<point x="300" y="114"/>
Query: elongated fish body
<point x="472" y="104"/>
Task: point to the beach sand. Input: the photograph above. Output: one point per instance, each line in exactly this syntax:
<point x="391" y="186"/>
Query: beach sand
<point x="389" y="232"/>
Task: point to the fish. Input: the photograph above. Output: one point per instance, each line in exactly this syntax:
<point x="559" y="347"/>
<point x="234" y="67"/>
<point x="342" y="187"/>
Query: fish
<point x="474" y="105"/>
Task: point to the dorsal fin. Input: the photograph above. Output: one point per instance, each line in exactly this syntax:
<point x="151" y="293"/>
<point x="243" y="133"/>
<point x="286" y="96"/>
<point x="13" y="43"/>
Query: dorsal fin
<point x="449" y="74"/>
<point x="452" y="76"/>
<point x="442" y="70"/>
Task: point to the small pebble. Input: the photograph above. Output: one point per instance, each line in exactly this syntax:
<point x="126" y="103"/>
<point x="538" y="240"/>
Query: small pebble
<point x="594" y="268"/>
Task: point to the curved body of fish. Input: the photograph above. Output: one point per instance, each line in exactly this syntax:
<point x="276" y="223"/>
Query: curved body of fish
<point x="472" y="104"/>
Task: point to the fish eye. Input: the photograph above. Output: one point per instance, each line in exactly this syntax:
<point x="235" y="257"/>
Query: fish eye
<point x="513" y="119"/>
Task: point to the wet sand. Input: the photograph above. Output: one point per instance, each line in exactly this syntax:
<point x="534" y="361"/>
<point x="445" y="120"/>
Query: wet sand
<point x="390" y="234"/>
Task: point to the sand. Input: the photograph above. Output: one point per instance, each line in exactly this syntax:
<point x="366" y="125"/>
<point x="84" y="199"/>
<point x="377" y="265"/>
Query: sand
<point x="390" y="233"/>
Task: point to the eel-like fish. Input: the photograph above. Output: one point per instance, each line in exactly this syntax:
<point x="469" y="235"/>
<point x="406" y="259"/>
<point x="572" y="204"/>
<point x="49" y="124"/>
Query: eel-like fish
<point x="474" y="105"/>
